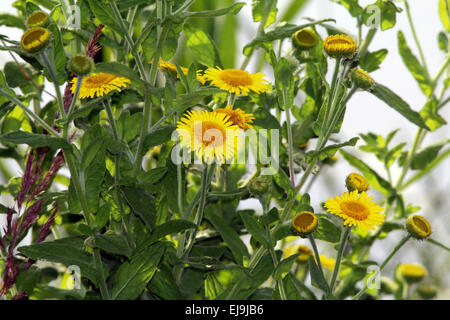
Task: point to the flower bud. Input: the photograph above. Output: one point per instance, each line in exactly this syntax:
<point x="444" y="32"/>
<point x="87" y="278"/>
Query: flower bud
<point x="388" y="286"/>
<point x="356" y="181"/>
<point x="81" y="65"/>
<point x="37" y="19"/>
<point x="427" y="291"/>
<point x="411" y="273"/>
<point x="305" y="223"/>
<point x="258" y="186"/>
<point x="35" y="39"/>
<point x="330" y="160"/>
<point x="304" y="39"/>
<point x="339" y="46"/>
<point x="361" y="79"/>
<point x="418" y="227"/>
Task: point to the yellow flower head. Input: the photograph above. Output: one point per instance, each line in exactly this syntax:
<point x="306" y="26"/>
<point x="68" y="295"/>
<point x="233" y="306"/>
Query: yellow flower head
<point x="99" y="84"/>
<point x="304" y="252"/>
<point x="210" y="135"/>
<point x="37" y="19"/>
<point x="238" y="117"/>
<point x="305" y="223"/>
<point x="356" y="210"/>
<point x="327" y="263"/>
<point x="35" y="39"/>
<point x="356" y="181"/>
<point x="418" y="227"/>
<point x="237" y="81"/>
<point x="169" y="66"/>
<point x="304" y="39"/>
<point x="339" y="46"/>
<point x="361" y="79"/>
<point x="411" y="272"/>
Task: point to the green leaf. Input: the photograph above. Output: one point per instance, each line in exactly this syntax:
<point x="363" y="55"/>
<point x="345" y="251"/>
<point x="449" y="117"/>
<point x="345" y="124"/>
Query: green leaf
<point x="327" y="230"/>
<point x="430" y="114"/>
<point x="375" y="181"/>
<point x="169" y="227"/>
<point x="439" y="244"/>
<point x="14" y="75"/>
<point x="255" y="228"/>
<point x="201" y="45"/>
<point x="164" y="285"/>
<point x="158" y="137"/>
<point x="443" y="41"/>
<point x="317" y="279"/>
<point x="260" y="8"/>
<point x="67" y="251"/>
<point x="371" y="61"/>
<point x="444" y="14"/>
<point x="330" y="150"/>
<point x="414" y="66"/>
<point x="132" y="276"/>
<point x="352" y="6"/>
<point x="234" y="9"/>
<point x="113" y="243"/>
<point x="213" y="287"/>
<point x="103" y="12"/>
<point x="35" y="140"/>
<point x="230" y="237"/>
<point x="421" y="159"/>
<point x="293" y="9"/>
<point x="152" y="176"/>
<point x="388" y="12"/>
<point x="120" y="70"/>
<point x="142" y="203"/>
<point x="9" y="20"/>
<point x="284" y="266"/>
<point x="398" y="104"/>
<point x="58" y="53"/>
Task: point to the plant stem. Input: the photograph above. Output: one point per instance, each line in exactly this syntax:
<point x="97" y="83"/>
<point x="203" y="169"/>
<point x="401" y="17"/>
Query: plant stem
<point x="388" y="258"/>
<point x="415" y="146"/>
<point x="72" y="104"/>
<point x="99" y="266"/>
<point x="30" y="113"/>
<point x="365" y="45"/>
<point x="290" y="144"/>
<point x="316" y="253"/>
<point x="113" y="125"/>
<point x="416" y="39"/>
<point x="339" y="257"/>
<point x="51" y="70"/>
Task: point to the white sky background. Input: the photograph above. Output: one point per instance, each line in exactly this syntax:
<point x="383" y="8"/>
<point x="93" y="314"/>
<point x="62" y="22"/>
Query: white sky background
<point x="366" y="113"/>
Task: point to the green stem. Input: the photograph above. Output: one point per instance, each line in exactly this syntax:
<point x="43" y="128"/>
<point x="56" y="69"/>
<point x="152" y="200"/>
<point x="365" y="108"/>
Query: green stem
<point x="113" y="125"/>
<point x="99" y="266"/>
<point x="339" y="257"/>
<point x="420" y="133"/>
<point x="290" y="144"/>
<point x="316" y="253"/>
<point x="365" y="45"/>
<point x="416" y="39"/>
<point x="29" y="113"/>
<point x="72" y="104"/>
<point x="385" y="262"/>
<point x="51" y="70"/>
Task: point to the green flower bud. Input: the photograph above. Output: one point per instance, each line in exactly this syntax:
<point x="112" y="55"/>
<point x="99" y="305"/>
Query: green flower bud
<point x="427" y="291"/>
<point x="81" y="65"/>
<point x="304" y="39"/>
<point x="35" y="39"/>
<point x="259" y="186"/>
<point x="37" y="19"/>
<point x="418" y="227"/>
<point x="361" y="79"/>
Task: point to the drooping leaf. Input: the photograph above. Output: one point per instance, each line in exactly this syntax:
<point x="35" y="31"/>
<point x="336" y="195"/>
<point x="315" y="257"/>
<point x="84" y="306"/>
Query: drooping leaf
<point x="201" y="45"/>
<point x="35" y="140"/>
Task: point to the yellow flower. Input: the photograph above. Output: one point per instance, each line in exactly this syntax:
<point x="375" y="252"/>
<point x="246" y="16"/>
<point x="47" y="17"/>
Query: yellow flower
<point x="338" y="46"/>
<point x="99" y="84"/>
<point x="327" y="263"/>
<point x="35" y="39"/>
<point x="356" y="210"/>
<point x="418" y="227"/>
<point x="237" y="81"/>
<point x="37" y="19"/>
<point x="210" y="135"/>
<point x="305" y="223"/>
<point x="304" y="251"/>
<point x="412" y="272"/>
<point x="357" y="182"/>
<point x="304" y="39"/>
<point x="238" y="117"/>
<point x="169" y="66"/>
<point x="361" y="79"/>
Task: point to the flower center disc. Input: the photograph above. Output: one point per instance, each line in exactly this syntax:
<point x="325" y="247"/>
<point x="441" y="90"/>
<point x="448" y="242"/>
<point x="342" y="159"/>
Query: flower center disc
<point x="305" y="37"/>
<point x="236" y="78"/>
<point x="304" y="220"/>
<point x="420" y="224"/>
<point x="211" y="134"/>
<point x="36" y="35"/>
<point x="97" y="80"/>
<point x="355" y="210"/>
